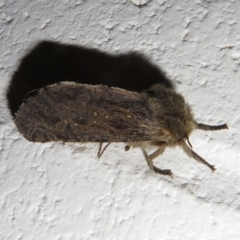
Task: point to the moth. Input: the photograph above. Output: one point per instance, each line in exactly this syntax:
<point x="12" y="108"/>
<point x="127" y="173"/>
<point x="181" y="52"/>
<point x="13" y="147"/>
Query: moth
<point x="75" y="112"/>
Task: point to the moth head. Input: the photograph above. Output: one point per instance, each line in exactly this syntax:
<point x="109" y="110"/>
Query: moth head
<point x="175" y="117"/>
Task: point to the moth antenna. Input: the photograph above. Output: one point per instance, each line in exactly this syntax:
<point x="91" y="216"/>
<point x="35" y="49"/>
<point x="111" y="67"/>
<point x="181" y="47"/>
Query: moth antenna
<point x="211" y="128"/>
<point x="194" y="155"/>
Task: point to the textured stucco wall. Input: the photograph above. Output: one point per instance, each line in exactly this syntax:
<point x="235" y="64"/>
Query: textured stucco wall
<point x="56" y="191"/>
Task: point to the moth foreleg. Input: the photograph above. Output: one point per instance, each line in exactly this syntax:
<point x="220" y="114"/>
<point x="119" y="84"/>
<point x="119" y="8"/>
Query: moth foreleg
<point x="210" y="127"/>
<point x="194" y="155"/>
<point x="149" y="159"/>
<point x="100" y="151"/>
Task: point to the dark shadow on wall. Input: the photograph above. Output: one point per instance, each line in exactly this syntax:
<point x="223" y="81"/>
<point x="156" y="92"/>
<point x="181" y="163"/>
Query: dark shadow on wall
<point x="50" y="62"/>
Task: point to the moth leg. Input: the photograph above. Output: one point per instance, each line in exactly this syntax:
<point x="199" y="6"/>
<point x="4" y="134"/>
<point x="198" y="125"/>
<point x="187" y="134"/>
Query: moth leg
<point x="159" y="151"/>
<point x="155" y="154"/>
<point x="149" y="159"/>
<point x="194" y="155"/>
<point x="100" y="151"/>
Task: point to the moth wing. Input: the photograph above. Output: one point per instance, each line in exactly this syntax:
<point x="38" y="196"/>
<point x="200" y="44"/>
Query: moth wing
<point x="74" y="112"/>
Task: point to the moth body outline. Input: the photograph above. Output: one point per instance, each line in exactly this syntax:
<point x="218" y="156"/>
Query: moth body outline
<point x="74" y="112"/>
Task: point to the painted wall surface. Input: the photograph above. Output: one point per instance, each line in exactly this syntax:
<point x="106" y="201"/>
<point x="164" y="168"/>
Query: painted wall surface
<point x="61" y="191"/>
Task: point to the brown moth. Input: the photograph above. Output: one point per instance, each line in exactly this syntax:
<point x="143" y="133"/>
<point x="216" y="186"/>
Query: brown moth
<point x="74" y="112"/>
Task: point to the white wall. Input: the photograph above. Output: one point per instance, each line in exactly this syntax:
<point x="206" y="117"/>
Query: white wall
<point x="56" y="191"/>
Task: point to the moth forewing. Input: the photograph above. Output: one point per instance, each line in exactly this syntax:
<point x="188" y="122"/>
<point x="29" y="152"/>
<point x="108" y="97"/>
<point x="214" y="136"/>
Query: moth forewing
<point x="74" y="112"/>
